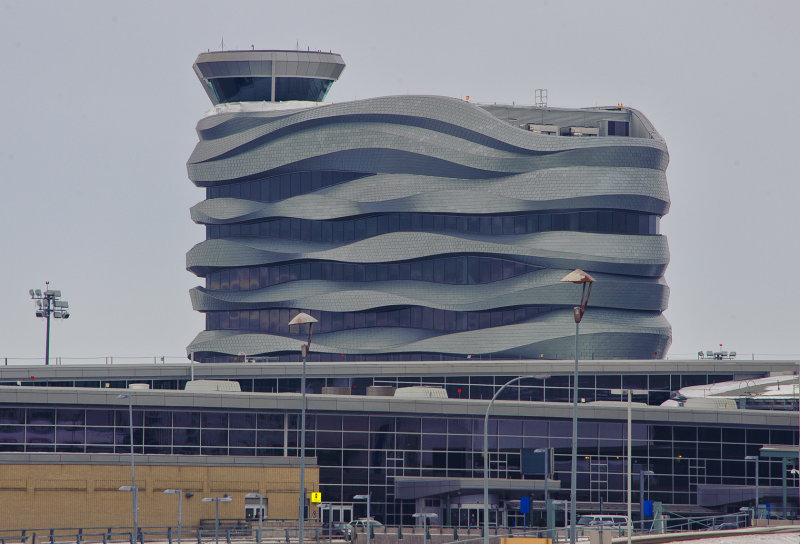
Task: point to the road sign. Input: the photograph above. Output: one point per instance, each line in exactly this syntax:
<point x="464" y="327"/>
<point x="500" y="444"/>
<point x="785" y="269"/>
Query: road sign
<point x="316" y="497"/>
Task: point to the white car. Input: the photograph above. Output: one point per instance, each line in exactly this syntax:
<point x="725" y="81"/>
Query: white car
<point x="603" y="521"/>
<point x="363" y="523"/>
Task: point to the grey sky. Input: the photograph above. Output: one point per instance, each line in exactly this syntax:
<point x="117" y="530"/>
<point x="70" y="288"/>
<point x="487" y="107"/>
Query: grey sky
<point x="99" y="104"/>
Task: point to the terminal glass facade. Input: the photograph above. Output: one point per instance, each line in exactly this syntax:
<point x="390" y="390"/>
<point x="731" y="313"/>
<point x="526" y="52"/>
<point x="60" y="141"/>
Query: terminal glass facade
<point x="362" y="453"/>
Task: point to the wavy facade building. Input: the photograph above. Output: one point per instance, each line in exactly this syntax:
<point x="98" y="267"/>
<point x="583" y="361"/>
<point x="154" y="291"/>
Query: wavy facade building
<point x="419" y="227"/>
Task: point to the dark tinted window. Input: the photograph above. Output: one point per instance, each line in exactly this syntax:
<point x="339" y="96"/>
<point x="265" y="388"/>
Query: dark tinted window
<point x="412" y="317"/>
<point x="301" y="88"/>
<point x="242" y="89"/>
<point x="348" y="230"/>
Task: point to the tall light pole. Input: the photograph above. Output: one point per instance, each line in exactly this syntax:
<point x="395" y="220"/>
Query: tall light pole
<point x="580" y="277"/>
<point x="630" y="392"/>
<point x="260" y="497"/>
<point x="368" y="498"/>
<point x="216" y="501"/>
<point x="178" y="492"/>
<point x="134" y="489"/>
<point x="755" y="459"/>
<point x="49" y="304"/>
<point x="486" y="456"/>
<point x="300" y="319"/>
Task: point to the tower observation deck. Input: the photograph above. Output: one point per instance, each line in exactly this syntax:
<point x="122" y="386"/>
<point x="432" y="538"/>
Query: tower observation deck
<point x="271" y="76"/>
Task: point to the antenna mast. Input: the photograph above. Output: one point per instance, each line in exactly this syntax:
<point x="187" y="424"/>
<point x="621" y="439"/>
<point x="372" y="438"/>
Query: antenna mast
<point x="540" y="98"/>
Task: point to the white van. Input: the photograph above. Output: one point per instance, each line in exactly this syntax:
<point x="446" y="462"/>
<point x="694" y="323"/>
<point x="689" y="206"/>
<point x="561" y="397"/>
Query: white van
<point x="603" y="521"/>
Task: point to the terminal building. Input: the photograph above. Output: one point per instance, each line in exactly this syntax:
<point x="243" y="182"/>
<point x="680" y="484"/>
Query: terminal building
<point x="377" y="430"/>
<point x="427" y="235"/>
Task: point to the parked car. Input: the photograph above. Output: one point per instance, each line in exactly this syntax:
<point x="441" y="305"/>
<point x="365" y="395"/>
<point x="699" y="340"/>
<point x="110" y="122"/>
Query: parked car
<point x="603" y="521"/>
<point x="337" y="529"/>
<point x="363" y="523"/>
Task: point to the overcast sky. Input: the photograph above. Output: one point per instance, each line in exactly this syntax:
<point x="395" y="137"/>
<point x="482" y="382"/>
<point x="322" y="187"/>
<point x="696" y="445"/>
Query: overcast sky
<point x="99" y="104"/>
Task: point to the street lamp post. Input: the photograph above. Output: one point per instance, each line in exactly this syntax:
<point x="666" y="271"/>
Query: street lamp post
<point x="368" y="498"/>
<point x="642" y="474"/>
<point x="630" y="392"/>
<point x="178" y="492"/>
<point x="755" y="459"/>
<point x="580" y="277"/>
<point x="216" y="501"/>
<point x="565" y="504"/>
<point x="300" y="319"/>
<point x="133" y="488"/>
<point x="47" y="305"/>
<point x="426" y="517"/>
<point x="322" y="507"/>
<point x="260" y="497"/>
<point x="486" y="456"/>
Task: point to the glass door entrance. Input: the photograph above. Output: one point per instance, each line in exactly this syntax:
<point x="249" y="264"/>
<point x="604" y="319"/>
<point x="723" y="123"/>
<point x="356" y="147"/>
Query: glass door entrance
<point x="471" y="515"/>
<point x="337" y="512"/>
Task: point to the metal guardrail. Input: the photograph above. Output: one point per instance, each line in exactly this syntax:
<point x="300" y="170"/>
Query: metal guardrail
<point x="105" y="360"/>
<point x="227" y="534"/>
<point x="240" y="531"/>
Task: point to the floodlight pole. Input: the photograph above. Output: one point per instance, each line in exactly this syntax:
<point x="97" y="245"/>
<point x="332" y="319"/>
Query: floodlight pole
<point x="49" y="304"/>
<point x="47" y="342"/>
<point x="486" y="457"/>
<point x="580" y="277"/>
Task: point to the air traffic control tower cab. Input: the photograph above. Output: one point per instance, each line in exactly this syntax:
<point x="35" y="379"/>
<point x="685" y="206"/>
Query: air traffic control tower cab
<point x="271" y="76"/>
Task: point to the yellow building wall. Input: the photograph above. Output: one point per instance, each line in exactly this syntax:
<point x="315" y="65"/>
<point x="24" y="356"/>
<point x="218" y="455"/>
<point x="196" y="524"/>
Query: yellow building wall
<point x="49" y="495"/>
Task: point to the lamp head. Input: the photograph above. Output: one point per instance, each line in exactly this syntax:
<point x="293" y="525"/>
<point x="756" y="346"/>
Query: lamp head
<point x="302" y="318"/>
<point x="578" y="276"/>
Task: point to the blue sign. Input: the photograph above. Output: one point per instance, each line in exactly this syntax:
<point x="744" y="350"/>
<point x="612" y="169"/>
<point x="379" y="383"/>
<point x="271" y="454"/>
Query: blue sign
<point x="525" y="505"/>
<point x="648" y="509"/>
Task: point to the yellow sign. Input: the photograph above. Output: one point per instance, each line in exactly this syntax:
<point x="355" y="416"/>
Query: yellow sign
<point x="316" y="497"/>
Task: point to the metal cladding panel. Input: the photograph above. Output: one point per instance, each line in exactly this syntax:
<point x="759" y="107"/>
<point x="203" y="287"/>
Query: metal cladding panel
<point x="426" y="156"/>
